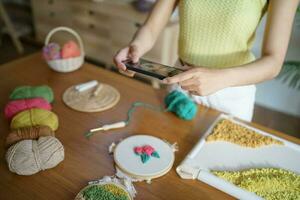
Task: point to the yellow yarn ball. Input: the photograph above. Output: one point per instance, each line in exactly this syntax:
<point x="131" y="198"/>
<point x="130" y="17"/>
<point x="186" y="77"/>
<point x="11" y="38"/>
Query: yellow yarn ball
<point x="28" y="157"/>
<point x="35" y="117"/>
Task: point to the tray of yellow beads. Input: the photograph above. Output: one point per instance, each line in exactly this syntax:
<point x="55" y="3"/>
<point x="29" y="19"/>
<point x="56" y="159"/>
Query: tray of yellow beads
<point x="244" y="162"/>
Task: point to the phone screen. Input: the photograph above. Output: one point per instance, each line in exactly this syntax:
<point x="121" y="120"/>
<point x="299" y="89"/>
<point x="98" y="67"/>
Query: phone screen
<point x="152" y="69"/>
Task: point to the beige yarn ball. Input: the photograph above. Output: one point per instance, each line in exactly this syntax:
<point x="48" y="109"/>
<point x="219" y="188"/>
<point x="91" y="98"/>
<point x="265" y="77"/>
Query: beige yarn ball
<point x="28" y="157"/>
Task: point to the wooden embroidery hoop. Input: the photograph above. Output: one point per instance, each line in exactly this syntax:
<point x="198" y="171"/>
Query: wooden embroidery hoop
<point x="130" y="164"/>
<point x="84" y="101"/>
<point x="79" y="196"/>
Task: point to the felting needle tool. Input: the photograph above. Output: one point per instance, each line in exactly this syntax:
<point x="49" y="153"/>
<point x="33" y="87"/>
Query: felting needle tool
<point x="97" y="90"/>
<point x="85" y="86"/>
<point x="106" y="127"/>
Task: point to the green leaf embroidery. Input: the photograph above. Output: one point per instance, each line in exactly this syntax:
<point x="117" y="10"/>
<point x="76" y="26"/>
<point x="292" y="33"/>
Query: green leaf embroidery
<point x="155" y="154"/>
<point x="144" y="158"/>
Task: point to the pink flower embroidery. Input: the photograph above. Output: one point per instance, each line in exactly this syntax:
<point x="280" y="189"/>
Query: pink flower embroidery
<point x="145" y="152"/>
<point x="138" y="150"/>
<point x="148" y="150"/>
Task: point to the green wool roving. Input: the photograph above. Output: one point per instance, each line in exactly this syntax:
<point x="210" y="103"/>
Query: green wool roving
<point x="26" y="92"/>
<point x="180" y="104"/>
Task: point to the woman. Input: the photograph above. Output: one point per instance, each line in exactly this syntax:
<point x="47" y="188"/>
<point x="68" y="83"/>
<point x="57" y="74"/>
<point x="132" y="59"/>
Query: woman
<point x="215" y="44"/>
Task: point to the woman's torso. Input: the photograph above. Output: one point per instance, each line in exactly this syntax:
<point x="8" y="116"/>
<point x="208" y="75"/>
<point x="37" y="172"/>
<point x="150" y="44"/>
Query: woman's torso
<point x="218" y="33"/>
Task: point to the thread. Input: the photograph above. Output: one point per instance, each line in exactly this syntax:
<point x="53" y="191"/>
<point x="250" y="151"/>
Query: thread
<point x="180" y="104"/>
<point x="28" y="157"/>
<point x="16" y="106"/>
<point x="176" y="102"/>
<point x="35" y="117"/>
<point x="27" y="133"/>
<point x="28" y="92"/>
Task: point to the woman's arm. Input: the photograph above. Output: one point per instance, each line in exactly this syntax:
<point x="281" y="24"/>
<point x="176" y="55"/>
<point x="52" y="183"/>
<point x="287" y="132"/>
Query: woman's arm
<point x="146" y="36"/>
<point x="280" y="17"/>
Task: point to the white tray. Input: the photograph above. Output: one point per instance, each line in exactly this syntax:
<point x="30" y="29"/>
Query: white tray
<point x="219" y="155"/>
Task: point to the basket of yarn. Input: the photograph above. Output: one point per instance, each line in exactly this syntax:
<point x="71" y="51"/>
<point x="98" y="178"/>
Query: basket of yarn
<point x="31" y="143"/>
<point x="66" y="59"/>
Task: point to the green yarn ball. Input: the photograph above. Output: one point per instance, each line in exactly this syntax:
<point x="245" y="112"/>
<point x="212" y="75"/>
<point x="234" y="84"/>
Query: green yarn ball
<point x="180" y="104"/>
<point x="27" y="92"/>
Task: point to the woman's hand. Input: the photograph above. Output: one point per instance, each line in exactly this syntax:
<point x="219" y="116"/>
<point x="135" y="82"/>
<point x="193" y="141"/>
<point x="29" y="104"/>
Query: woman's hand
<point x="200" y="81"/>
<point x="128" y="53"/>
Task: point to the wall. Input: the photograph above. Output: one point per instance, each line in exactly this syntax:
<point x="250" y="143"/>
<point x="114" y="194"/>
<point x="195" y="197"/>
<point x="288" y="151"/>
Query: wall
<point x="274" y="94"/>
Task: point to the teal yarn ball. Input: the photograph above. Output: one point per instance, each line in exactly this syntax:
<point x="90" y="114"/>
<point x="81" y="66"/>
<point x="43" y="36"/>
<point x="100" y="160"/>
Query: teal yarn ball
<point x="180" y="104"/>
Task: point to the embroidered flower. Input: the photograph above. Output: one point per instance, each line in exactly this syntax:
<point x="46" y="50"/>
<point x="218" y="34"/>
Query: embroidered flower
<point x="145" y="152"/>
<point x="148" y="150"/>
<point x="138" y="150"/>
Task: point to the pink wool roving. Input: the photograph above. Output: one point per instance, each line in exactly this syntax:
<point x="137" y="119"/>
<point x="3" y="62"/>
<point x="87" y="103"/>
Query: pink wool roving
<point x="70" y="50"/>
<point x="16" y="106"/>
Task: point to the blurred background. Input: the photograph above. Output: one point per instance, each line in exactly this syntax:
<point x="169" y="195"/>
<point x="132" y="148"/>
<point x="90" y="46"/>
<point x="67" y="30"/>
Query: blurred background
<point x="107" y="25"/>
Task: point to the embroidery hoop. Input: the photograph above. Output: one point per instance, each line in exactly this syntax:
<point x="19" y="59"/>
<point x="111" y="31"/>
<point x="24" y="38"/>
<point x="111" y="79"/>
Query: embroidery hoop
<point x="84" y="101"/>
<point x="129" y="165"/>
<point x="79" y="196"/>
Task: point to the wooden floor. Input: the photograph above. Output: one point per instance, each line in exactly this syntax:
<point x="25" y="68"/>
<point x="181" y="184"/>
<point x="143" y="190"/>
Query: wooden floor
<point x="264" y="116"/>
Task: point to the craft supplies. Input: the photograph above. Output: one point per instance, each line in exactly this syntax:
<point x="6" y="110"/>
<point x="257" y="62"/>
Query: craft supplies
<point x="14" y="107"/>
<point x="207" y="157"/>
<point x="106" y="128"/>
<point x="71" y="55"/>
<point x="129" y="165"/>
<point x="107" y="188"/>
<point x="176" y="102"/>
<point x="70" y="50"/>
<point x="27" y="92"/>
<point x="25" y="133"/>
<point x="122" y="124"/>
<point x="180" y="104"/>
<point x="269" y="183"/>
<point x="52" y="51"/>
<point x="228" y="131"/>
<point x="85" y="86"/>
<point x="81" y="97"/>
<point x="28" y="157"/>
<point x="31" y="144"/>
<point x="33" y="117"/>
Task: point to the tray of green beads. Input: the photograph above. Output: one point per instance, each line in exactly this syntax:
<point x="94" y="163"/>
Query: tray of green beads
<point x="104" y="191"/>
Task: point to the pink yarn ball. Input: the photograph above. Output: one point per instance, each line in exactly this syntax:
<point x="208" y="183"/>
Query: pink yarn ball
<point x="16" y="106"/>
<point x="70" y="50"/>
<point x="51" y="51"/>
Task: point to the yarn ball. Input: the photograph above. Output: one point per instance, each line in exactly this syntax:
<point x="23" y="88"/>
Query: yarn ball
<point x="35" y="117"/>
<point x="180" y="104"/>
<point x="70" y="50"/>
<point x="16" y="106"/>
<point x="26" y="133"/>
<point x="27" y="92"/>
<point x="51" y="51"/>
<point x="28" y="157"/>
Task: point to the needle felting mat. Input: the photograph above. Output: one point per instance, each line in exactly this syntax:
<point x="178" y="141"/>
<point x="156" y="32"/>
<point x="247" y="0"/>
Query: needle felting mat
<point x="209" y="156"/>
<point x="86" y="101"/>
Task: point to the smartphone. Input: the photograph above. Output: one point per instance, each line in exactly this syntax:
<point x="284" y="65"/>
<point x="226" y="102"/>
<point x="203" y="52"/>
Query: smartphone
<point x="152" y="69"/>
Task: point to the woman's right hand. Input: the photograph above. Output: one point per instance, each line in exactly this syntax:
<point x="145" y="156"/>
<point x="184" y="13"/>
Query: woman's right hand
<point x="130" y="52"/>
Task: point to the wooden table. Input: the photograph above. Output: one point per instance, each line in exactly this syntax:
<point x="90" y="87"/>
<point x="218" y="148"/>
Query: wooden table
<point x="87" y="160"/>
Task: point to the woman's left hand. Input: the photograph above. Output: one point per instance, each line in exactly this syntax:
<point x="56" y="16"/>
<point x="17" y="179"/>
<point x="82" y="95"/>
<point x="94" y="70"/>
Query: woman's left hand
<point x="200" y="81"/>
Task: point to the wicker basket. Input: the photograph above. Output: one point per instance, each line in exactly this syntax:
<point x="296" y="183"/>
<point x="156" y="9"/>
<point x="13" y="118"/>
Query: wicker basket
<point x="69" y="64"/>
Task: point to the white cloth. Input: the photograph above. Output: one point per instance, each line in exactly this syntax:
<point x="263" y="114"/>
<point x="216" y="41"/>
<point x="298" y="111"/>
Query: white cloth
<point x="236" y="101"/>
